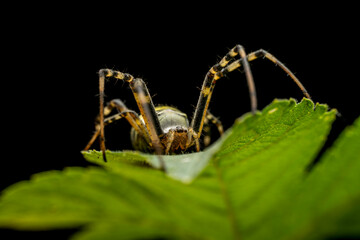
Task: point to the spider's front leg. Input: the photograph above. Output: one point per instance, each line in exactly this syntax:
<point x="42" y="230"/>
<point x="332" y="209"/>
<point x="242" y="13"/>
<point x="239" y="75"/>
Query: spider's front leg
<point x="207" y="89"/>
<point x="261" y="53"/>
<point x="144" y="102"/>
<point x="222" y="68"/>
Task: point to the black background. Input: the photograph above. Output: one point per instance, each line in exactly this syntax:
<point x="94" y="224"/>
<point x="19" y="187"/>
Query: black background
<point x="50" y="81"/>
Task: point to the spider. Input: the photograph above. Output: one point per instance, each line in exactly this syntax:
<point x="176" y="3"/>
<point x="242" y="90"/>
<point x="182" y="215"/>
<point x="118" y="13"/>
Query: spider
<point x="164" y="129"/>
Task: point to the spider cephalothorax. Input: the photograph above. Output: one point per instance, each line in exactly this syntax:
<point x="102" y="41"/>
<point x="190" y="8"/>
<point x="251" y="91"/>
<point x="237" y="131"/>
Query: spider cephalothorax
<point x="164" y="129"/>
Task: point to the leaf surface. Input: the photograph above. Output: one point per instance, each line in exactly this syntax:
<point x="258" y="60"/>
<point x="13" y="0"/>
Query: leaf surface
<point x="251" y="184"/>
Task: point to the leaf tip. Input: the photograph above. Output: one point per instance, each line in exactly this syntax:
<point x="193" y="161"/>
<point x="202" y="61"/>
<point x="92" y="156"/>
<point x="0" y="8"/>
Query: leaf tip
<point x="308" y="102"/>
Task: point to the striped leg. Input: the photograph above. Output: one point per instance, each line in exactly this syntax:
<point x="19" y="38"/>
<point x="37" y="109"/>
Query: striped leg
<point x="216" y="74"/>
<point x="143" y="100"/>
<point x="262" y="54"/>
<point x="171" y="135"/>
<point x="209" y="84"/>
<point x="131" y="116"/>
<point x="147" y="110"/>
<point x="214" y="120"/>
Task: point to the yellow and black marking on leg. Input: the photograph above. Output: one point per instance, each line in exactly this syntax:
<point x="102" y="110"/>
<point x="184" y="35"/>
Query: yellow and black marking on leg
<point x="126" y="114"/>
<point x="192" y="139"/>
<point x="116" y="74"/>
<point x="170" y="140"/>
<point x="225" y="60"/>
<point x="113" y="104"/>
<point x="215" y="121"/>
<point x="144" y="103"/>
<point x="202" y="105"/>
<point x="147" y="111"/>
<point x="103" y="73"/>
<point x="146" y="107"/>
<point x="262" y="54"/>
<point x="243" y="61"/>
<point x="131" y="116"/>
<point x="210" y="81"/>
<point x="134" y="120"/>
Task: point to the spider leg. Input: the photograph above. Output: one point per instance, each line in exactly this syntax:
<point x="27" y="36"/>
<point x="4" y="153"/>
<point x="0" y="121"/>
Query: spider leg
<point x="209" y="84"/>
<point x="171" y="135"/>
<point x="262" y="54"/>
<point x="147" y="110"/>
<point x="214" y="120"/>
<point x="144" y="102"/>
<point x="238" y="50"/>
<point x="131" y="116"/>
<point x="128" y="114"/>
<point x="194" y="135"/>
<point x="217" y="72"/>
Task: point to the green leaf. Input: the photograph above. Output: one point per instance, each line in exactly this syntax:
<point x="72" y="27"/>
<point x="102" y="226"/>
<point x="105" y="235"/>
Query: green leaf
<point x="327" y="201"/>
<point x="183" y="167"/>
<point x="251" y="184"/>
